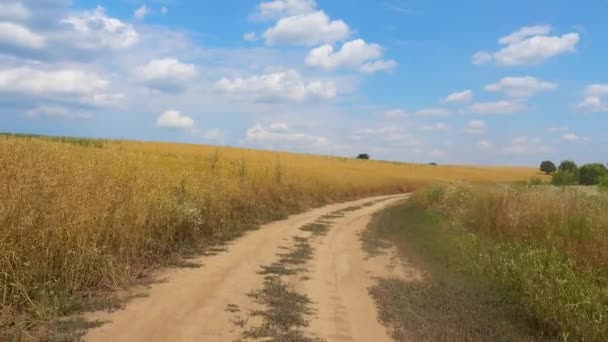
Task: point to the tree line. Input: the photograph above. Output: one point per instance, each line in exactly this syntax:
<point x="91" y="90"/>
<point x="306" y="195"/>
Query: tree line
<point x="568" y="173"/>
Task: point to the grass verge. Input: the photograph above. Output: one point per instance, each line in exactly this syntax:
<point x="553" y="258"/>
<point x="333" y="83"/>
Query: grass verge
<point x="449" y="304"/>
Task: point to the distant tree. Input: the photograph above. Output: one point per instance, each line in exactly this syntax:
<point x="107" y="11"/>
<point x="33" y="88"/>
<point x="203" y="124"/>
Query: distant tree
<point x="548" y="167"/>
<point x="363" y="156"/>
<point x="433" y="164"/>
<point x="590" y="174"/>
<point x="568" y="166"/>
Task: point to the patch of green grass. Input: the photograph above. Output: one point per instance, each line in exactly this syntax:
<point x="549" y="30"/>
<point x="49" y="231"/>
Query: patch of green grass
<point x="545" y="248"/>
<point x="454" y="302"/>
<point x="284" y="314"/>
<point x="290" y="263"/>
<point x="316" y="228"/>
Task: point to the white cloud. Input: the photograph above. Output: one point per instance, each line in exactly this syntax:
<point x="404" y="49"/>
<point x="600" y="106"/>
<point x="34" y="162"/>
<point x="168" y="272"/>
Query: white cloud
<point x="58" y="84"/>
<point x="481" y="57"/>
<point x="17" y="35"/>
<point x="462" y="97"/>
<point x="307" y="29"/>
<point x="56" y="112"/>
<point x="175" y="119"/>
<point x="484" y="144"/>
<point x="395" y="113"/>
<point x="439" y="126"/>
<point x="520" y="86"/>
<point x="287" y="86"/>
<point x="571" y="138"/>
<point x="525" y="32"/>
<point x="529" y="45"/>
<point x="594" y="98"/>
<point x="276" y="9"/>
<point x="167" y="74"/>
<point x="95" y="30"/>
<point x="279" y="126"/>
<point x="141" y="12"/>
<point x="387" y="134"/>
<point x="433" y="112"/>
<point x="526" y="146"/>
<point x="476" y="127"/>
<point x="498" y="107"/>
<point x="13" y="11"/>
<point x="250" y="36"/>
<point x="273" y="134"/>
<point x="164" y="10"/>
<point x="355" y="54"/>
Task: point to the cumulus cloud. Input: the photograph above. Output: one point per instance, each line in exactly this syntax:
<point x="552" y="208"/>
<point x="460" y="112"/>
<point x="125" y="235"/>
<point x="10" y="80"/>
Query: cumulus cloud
<point x="166" y="74"/>
<point x="250" y="36"/>
<point x="175" y="119"/>
<point x="285" y="86"/>
<point x="572" y="138"/>
<point x="306" y="29"/>
<point x="481" y="57"/>
<point x="273" y="134"/>
<point x="141" y="12"/>
<point x="66" y="85"/>
<point x="526" y="146"/>
<point x="395" y="113"/>
<point x="476" y="127"/>
<point x="520" y="86"/>
<point x="460" y="97"/>
<point x="594" y="100"/>
<point x="276" y="9"/>
<point x="497" y="107"/>
<point x="95" y="30"/>
<point x="13" y="10"/>
<point x="16" y="35"/>
<point x="529" y="45"/>
<point x="433" y="112"/>
<point x="388" y="134"/>
<point x="355" y="54"/>
<point x="438" y="126"/>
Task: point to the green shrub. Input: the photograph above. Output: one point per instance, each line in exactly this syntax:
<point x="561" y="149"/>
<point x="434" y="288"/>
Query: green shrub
<point x="562" y="178"/>
<point x="535" y="181"/>
<point x="590" y="174"/>
<point x="603" y="184"/>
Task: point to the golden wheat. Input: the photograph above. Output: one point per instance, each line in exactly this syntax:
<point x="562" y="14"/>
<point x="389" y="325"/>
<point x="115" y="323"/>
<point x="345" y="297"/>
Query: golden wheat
<point x="77" y="216"/>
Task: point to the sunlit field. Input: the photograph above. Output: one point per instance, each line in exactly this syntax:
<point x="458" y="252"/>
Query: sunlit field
<point x="82" y="216"/>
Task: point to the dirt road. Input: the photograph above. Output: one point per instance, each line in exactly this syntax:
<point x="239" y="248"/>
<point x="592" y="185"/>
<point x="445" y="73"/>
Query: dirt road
<point x="305" y="276"/>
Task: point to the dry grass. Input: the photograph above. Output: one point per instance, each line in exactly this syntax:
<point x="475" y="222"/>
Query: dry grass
<point x="79" y="216"/>
<point x="546" y="247"/>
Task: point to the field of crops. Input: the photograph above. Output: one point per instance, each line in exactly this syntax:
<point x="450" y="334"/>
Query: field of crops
<point x="81" y="216"/>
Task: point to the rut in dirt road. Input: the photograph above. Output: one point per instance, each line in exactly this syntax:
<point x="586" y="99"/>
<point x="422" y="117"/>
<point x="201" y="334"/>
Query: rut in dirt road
<point x="305" y="278"/>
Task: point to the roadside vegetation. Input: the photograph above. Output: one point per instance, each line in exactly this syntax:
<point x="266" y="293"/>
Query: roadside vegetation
<point x="81" y="217"/>
<point x="544" y="250"/>
<point x="569" y="173"/>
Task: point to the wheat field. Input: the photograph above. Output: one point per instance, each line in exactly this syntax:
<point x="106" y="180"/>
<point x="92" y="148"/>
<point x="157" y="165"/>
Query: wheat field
<point x="81" y="216"/>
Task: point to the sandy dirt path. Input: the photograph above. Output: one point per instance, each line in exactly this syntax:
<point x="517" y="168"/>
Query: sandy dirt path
<point x="194" y="304"/>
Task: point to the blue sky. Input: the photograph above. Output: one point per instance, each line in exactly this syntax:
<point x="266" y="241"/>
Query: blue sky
<point x="485" y="82"/>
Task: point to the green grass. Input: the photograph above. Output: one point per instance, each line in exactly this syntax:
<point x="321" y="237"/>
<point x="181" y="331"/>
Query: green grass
<point x="543" y="248"/>
<point x="450" y="303"/>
